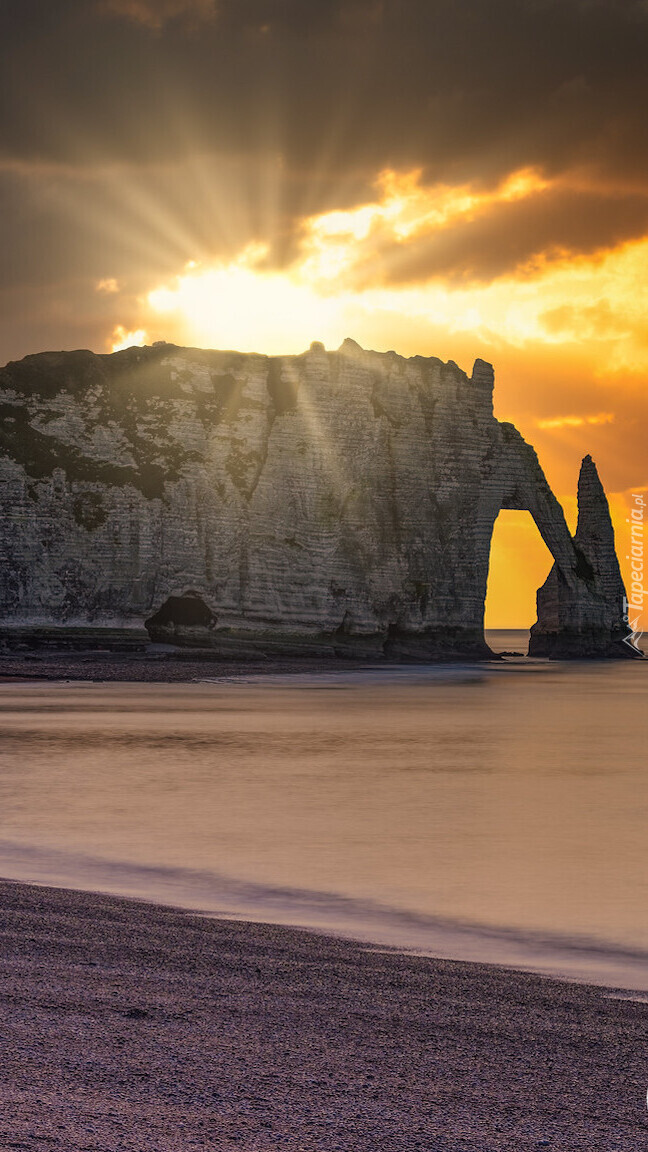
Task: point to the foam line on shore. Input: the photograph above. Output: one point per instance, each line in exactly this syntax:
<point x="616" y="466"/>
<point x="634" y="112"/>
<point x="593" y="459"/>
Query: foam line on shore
<point x="577" y="958"/>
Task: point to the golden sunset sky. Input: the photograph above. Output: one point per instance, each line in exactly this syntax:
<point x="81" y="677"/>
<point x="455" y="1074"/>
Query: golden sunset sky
<point x="458" y="179"/>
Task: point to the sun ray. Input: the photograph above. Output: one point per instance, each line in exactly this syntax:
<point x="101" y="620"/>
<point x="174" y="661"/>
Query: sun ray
<point x="247" y="302"/>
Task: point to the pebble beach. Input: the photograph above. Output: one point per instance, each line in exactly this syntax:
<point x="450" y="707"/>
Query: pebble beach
<point x="133" y="1027"/>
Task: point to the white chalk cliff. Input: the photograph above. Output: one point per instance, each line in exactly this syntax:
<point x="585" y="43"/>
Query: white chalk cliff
<point x="338" y="502"/>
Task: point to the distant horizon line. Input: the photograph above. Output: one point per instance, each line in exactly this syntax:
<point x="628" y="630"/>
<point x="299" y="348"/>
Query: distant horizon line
<point x="518" y="628"/>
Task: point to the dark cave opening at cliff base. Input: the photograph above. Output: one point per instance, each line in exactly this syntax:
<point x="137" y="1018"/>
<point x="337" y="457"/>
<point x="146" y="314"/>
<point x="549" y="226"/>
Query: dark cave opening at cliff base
<point x="177" y="614"/>
<point x="519" y="564"/>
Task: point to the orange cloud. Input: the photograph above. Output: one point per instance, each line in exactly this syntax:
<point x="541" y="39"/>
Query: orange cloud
<point x="575" y="421"/>
<point x="327" y="291"/>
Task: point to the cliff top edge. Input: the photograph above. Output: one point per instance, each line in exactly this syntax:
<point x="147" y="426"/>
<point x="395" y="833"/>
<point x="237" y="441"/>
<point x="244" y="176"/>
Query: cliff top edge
<point x="482" y="372"/>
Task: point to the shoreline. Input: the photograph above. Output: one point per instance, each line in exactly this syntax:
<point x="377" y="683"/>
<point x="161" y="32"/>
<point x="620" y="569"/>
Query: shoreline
<point x="129" y="1025"/>
<point x="181" y="670"/>
<point x="569" y="959"/>
<point x="107" y="667"/>
<point x="179" y="665"/>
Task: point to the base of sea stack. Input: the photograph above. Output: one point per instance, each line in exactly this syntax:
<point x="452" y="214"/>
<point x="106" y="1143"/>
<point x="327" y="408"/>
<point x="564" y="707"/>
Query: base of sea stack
<point x="572" y="645"/>
<point x="128" y="1027"/>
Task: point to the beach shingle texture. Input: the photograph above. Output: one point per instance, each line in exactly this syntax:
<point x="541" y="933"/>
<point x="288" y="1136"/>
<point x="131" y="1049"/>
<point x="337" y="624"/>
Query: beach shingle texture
<point x="332" y="503"/>
<point x="129" y="1027"/>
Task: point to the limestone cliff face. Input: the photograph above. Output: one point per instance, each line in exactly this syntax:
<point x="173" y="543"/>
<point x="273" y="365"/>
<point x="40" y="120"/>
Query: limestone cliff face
<point x="333" y="501"/>
<point x="570" y="624"/>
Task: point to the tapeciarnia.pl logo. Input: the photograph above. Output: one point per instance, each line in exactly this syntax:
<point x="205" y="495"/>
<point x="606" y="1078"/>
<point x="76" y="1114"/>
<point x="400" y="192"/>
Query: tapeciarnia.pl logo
<point x="634" y="605"/>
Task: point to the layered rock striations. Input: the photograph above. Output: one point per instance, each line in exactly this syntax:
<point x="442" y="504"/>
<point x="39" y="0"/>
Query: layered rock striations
<point x="338" y="502"/>
<point x="570" y="624"/>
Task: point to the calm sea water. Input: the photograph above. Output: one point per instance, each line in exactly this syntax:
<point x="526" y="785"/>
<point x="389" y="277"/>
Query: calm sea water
<point x="497" y="812"/>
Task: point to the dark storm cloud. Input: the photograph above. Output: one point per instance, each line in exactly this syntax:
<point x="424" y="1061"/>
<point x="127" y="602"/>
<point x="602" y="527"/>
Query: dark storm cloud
<point x="159" y="14"/>
<point x="460" y="86"/>
<point x="137" y="134"/>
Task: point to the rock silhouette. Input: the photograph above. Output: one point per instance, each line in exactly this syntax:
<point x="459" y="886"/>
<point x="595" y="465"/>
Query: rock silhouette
<point x="332" y="502"/>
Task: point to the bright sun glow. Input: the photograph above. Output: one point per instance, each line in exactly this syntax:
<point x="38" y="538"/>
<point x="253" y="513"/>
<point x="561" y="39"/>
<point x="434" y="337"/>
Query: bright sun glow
<point x="240" y="306"/>
<point x="340" y="285"/>
<point x="121" y="338"/>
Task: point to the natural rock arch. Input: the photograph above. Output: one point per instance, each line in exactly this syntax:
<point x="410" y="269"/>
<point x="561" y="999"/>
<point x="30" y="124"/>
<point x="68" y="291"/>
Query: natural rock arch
<point x="337" y="502"/>
<point x="519" y="562"/>
<point x="580" y="607"/>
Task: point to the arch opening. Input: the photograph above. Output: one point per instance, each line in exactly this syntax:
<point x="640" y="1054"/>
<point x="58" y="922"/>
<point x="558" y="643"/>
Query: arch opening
<point x="519" y="564"/>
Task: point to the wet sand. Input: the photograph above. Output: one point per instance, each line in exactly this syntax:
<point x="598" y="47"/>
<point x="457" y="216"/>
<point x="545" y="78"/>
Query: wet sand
<point x="161" y="670"/>
<point x="134" y="1027"/>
